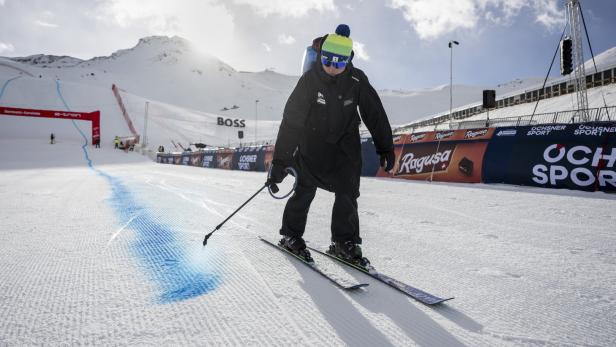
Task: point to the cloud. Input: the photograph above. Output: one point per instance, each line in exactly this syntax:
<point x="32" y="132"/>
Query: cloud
<point x="288" y="8"/>
<point x="548" y="14"/>
<point x="207" y="23"/>
<point x="286" y="40"/>
<point x="432" y="19"/>
<point x="45" y="24"/>
<point x="360" y="51"/>
<point x="6" y="48"/>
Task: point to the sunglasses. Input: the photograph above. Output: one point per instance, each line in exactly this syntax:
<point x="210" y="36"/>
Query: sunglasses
<point x="335" y="64"/>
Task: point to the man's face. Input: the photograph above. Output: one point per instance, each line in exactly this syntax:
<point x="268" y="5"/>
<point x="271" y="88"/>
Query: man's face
<point x="332" y="71"/>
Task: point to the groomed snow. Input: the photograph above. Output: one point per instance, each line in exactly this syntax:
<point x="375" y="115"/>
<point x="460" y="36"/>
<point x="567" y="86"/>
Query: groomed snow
<point x="113" y="256"/>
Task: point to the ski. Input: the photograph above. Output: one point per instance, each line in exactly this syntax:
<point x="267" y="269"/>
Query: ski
<point x="415" y="293"/>
<point x="339" y="283"/>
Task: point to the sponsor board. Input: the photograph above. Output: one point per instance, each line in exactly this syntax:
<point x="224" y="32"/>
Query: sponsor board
<point x="247" y="162"/>
<point x="452" y="155"/>
<point x="473" y="134"/>
<point x="209" y="160"/>
<point x="224" y="160"/>
<point x="594" y="130"/>
<point x="445" y="161"/>
<point x="545" y="130"/>
<point x="229" y="122"/>
<point x="507" y="132"/>
<point x="92" y="117"/>
<point x="186" y="159"/>
<point x="195" y="159"/>
<point x="417" y="137"/>
<point x="417" y="160"/>
<point x="580" y="166"/>
<point x="440" y="136"/>
<point x="573" y="156"/>
<point x="249" y="159"/>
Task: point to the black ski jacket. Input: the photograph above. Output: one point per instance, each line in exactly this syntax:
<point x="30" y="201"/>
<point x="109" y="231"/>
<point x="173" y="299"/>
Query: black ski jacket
<point x="319" y="133"/>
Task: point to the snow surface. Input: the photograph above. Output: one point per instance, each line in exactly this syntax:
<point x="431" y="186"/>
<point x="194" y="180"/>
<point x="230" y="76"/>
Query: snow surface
<point x="112" y="256"/>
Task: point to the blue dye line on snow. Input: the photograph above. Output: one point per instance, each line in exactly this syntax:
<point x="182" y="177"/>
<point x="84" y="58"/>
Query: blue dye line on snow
<point x="156" y="246"/>
<point x="6" y="84"/>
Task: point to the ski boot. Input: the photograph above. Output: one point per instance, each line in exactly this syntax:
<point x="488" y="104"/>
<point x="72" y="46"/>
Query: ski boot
<point x="350" y="253"/>
<point x="297" y="246"/>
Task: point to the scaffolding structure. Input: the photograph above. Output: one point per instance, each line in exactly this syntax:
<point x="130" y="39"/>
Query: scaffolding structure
<point x="579" y="73"/>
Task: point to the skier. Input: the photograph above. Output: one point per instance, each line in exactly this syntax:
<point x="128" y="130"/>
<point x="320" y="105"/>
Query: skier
<point x="319" y="137"/>
<point x="116" y="142"/>
<point x="52" y="138"/>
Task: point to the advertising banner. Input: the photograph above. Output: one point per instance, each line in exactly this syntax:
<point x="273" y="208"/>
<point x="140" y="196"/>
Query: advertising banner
<point x="177" y="159"/>
<point x="93" y="117"/>
<point x="196" y="158"/>
<point x="209" y="160"/>
<point x="224" y="159"/>
<point x="574" y="156"/>
<point x="268" y="156"/>
<point x="186" y="158"/>
<point x="449" y="156"/>
<point x="248" y="159"/>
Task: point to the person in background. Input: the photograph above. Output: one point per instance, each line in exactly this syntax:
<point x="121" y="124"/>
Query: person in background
<point x="319" y="137"/>
<point x="96" y="141"/>
<point x="116" y="142"/>
<point x="52" y="139"/>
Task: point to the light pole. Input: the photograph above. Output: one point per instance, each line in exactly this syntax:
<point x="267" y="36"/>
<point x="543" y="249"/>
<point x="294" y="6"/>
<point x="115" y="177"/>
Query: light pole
<point x="256" y="120"/>
<point x="145" y="125"/>
<point x="451" y="43"/>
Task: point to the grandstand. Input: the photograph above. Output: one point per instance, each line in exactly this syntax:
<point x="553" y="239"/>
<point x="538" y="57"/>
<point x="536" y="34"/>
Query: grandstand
<point x="474" y="115"/>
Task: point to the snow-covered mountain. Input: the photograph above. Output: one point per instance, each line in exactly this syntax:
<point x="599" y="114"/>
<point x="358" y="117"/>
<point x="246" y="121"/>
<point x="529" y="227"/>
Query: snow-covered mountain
<point x="171" y="70"/>
<point x="187" y="90"/>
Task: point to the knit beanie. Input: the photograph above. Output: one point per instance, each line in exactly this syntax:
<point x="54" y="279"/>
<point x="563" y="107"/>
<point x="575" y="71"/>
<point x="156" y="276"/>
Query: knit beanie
<point x="338" y="45"/>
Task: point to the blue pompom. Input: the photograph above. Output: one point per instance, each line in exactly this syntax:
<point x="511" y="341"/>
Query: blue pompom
<point x="343" y="30"/>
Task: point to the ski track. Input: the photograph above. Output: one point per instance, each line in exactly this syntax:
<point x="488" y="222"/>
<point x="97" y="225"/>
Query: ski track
<point x="348" y="331"/>
<point x="96" y="284"/>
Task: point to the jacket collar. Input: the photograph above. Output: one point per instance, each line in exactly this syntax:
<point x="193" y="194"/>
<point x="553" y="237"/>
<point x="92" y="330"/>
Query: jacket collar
<point x="323" y="76"/>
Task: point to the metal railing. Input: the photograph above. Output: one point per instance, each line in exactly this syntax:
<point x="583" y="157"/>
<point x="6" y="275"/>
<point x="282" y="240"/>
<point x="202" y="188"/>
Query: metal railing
<point x="601" y="114"/>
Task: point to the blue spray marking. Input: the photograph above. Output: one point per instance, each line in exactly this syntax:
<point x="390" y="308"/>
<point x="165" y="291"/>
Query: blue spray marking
<point x="157" y="247"/>
<point x="6" y="84"/>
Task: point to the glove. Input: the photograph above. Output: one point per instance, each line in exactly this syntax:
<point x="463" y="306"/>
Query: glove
<point x="388" y="159"/>
<point x="277" y="174"/>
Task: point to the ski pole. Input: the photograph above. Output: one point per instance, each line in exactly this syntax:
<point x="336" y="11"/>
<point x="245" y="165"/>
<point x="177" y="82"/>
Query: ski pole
<point x="234" y="212"/>
<point x="273" y="189"/>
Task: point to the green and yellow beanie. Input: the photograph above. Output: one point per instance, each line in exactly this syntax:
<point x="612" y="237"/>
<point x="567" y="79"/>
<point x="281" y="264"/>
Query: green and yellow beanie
<point x="338" y="44"/>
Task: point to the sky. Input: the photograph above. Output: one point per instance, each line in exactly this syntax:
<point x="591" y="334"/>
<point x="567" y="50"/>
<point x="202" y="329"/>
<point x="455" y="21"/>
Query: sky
<point x="400" y="44"/>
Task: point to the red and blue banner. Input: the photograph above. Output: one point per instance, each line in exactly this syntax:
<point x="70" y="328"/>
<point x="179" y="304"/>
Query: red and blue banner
<point x="573" y="156"/>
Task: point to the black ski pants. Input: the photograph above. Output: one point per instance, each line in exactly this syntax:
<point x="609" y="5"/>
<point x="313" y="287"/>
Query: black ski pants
<point x="345" y="220"/>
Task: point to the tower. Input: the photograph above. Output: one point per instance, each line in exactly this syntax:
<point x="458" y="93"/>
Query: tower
<point x="579" y="73"/>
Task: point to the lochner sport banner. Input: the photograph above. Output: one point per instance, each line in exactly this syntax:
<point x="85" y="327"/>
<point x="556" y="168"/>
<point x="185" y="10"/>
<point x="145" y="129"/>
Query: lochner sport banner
<point x="209" y="159"/>
<point x="249" y="159"/>
<point x="574" y="156"/>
